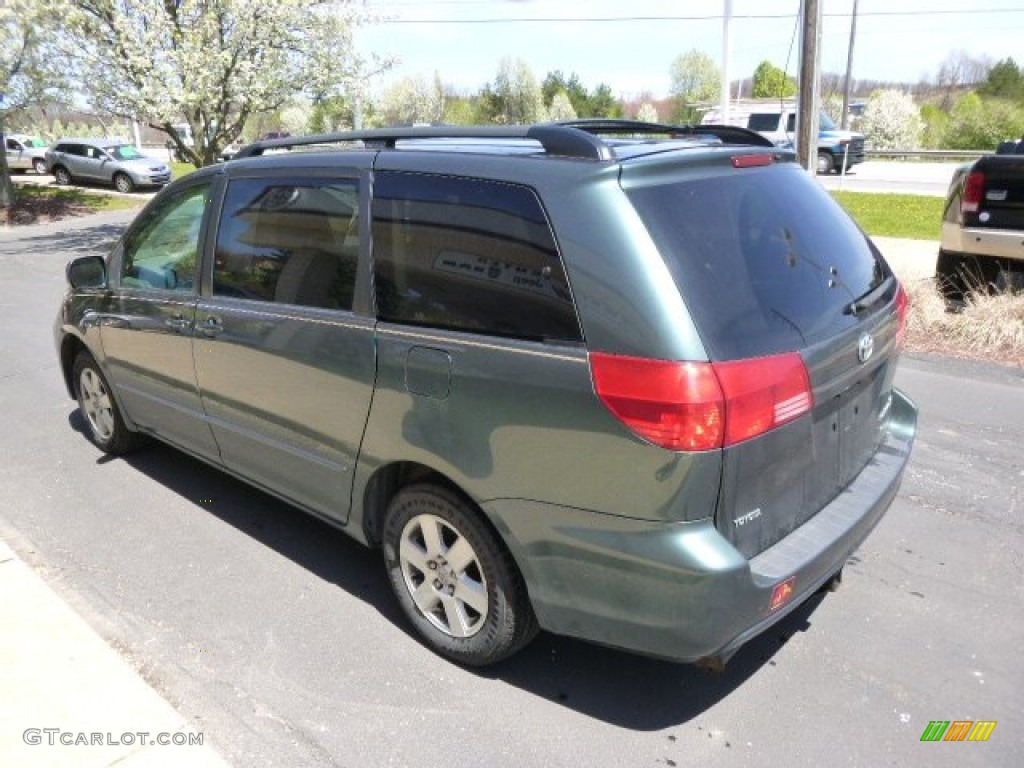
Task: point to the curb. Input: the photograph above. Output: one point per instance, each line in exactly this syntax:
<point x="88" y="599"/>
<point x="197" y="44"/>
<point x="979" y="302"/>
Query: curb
<point x="69" y="698"/>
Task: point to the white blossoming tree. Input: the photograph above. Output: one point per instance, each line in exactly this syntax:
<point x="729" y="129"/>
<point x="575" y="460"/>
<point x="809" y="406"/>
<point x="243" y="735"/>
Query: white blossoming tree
<point x="561" y="107"/>
<point x="515" y="97"/>
<point x="891" y="120"/>
<point x="412" y="100"/>
<point x="648" y="113"/>
<point x="213" y="63"/>
<point x="29" y="69"/>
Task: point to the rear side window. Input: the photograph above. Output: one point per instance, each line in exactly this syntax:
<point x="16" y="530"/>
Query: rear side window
<point x="289" y="241"/>
<point x="761" y="121"/>
<point x="766" y="261"/>
<point x="468" y="255"/>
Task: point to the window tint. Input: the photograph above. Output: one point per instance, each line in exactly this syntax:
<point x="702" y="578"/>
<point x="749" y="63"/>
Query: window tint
<point x="791" y="123"/>
<point x="124" y="152"/>
<point x="766" y="260"/>
<point x="469" y="255"/>
<point x="162" y="250"/>
<point x="291" y="241"/>
<point x="764" y="121"/>
<point x="12" y="144"/>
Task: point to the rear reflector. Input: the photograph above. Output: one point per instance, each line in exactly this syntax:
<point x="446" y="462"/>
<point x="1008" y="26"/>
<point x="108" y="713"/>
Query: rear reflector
<point x="750" y="161"/>
<point x="702" y="406"/>
<point x="974" y="188"/>
<point x="782" y="593"/>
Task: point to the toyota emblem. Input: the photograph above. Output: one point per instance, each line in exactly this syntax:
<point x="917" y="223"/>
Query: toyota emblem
<point x="865" y="347"/>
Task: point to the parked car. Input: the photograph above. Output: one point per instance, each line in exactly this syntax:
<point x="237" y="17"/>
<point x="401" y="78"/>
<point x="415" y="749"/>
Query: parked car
<point x="838" y="149"/>
<point x="1011" y="147"/>
<point x="25" y="153"/>
<point x="111" y="161"/>
<point x="982" y="243"/>
<point x="635" y="389"/>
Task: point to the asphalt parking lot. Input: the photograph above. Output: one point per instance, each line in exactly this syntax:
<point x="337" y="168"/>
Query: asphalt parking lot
<point x="278" y="638"/>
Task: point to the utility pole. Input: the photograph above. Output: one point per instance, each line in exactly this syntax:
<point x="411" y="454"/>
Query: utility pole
<point x="807" y="117"/>
<point x="723" y="109"/>
<point x="845" y="122"/>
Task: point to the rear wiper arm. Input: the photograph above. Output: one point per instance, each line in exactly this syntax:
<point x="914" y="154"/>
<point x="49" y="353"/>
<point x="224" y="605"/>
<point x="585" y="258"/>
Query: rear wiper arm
<point x="868" y="299"/>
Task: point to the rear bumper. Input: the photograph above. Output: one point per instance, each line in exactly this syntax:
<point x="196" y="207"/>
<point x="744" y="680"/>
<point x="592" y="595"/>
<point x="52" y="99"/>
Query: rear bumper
<point x="681" y="591"/>
<point x="997" y="243"/>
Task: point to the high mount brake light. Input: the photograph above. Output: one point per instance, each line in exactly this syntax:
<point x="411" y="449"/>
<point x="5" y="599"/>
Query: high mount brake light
<point x="750" y="161"/>
<point x="974" y="188"/>
<point x="686" y="406"/>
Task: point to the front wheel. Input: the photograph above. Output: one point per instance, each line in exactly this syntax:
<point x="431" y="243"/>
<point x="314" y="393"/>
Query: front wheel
<point x="39" y="166"/>
<point x="825" y="163"/>
<point x="454" y="578"/>
<point x="106" y="426"/>
<point x="123" y="183"/>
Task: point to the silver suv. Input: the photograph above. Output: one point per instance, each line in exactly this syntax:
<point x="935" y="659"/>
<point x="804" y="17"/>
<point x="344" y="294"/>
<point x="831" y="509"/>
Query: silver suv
<point x="112" y="161"/>
<point x="25" y="153"/>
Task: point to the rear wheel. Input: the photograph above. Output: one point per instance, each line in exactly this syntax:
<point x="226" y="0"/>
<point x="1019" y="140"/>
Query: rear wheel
<point x="454" y="578"/>
<point x="102" y="416"/>
<point x="123" y="183"/>
<point x="825" y="163"/>
<point x="61" y="175"/>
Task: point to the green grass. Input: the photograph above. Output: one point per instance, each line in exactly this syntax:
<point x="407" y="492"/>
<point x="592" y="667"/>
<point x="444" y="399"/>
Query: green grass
<point x="912" y="216"/>
<point x="57" y="198"/>
<point x="181" y="169"/>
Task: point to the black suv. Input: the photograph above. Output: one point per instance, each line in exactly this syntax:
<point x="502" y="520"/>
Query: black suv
<point x="626" y="382"/>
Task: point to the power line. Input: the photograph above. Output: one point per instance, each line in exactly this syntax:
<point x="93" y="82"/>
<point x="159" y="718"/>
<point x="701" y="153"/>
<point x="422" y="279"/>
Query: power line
<point x="709" y="17"/>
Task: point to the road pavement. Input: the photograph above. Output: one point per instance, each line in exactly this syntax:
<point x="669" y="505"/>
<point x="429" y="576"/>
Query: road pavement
<point x="277" y="637"/>
<point x="908" y="178"/>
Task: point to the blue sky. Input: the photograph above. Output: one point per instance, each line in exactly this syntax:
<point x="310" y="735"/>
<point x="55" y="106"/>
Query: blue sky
<point x="464" y="40"/>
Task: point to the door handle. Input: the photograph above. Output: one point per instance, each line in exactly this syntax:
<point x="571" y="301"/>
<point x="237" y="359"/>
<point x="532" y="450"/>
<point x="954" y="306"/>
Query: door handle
<point x="211" y="326"/>
<point x="178" y="323"/>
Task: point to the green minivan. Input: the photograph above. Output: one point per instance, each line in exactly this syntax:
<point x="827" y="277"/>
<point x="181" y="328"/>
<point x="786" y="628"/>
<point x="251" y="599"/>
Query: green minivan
<point x="627" y="382"/>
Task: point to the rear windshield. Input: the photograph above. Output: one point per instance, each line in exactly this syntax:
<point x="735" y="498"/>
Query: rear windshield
<point x="766" y="261"/>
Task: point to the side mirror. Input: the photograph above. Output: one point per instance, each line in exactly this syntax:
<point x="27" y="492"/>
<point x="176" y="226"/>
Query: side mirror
<point x="87" y="272"/>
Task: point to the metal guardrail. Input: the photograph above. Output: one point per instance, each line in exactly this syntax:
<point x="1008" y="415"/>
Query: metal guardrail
<point x="926" y="154"/>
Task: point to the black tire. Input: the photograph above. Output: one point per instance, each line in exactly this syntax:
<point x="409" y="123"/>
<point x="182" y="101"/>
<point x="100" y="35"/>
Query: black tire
<point x="39" y="166"/>
<point x="959" y="276"/>
<point x="99" y="408"/>
<point x="62" y="176"/>
<point x="123" y="183"/>
<point x="479" y="585"/>
<point x="825" y="163"/>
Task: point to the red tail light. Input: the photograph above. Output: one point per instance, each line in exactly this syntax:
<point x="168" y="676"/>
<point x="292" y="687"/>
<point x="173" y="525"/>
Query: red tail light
<point x="702" y="406"/>
<point x="762" y="393"/>
<point x="974" y="188"/>
<point x="902" y="310"/>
